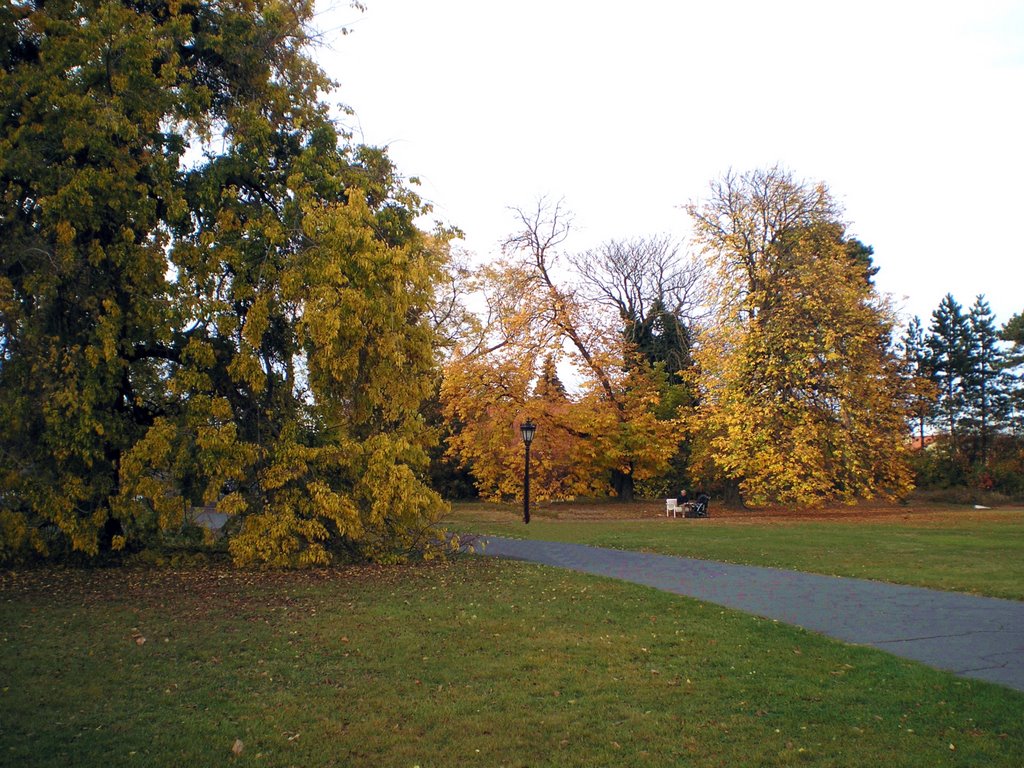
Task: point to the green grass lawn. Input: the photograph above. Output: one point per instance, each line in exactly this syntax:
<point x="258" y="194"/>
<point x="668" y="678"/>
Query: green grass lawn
<point x="974" y="552"/>
<point x="477" y="662"/>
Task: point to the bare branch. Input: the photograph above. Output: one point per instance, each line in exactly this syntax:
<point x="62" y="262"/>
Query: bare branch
<point x="632" y="276"/>
<point x="452" y="319"/>
<point x="544" y="228"/>
<point x="745" y="218"/>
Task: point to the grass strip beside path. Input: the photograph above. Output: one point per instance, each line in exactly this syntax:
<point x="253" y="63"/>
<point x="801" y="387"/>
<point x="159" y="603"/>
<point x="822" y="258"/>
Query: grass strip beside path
<point x="472" y="663"/>
<point x="970" y="553"/>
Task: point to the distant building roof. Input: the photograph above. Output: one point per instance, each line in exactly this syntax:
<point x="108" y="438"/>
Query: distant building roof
<point x="917" y="442"/>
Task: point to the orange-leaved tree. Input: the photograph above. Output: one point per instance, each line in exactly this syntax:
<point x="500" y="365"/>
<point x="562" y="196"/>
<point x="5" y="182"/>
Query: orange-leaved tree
<point x="604" y="435"/>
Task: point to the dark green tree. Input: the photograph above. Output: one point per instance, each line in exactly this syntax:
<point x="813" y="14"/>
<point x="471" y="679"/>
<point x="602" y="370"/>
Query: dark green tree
<point x="662" y="337"/>
<point x="950" y="345"/>
<point x="917" y="375"/>
<point x="1013" y="333"/>
<point x="986" y="385"/>
<point x="654" y="292"/>
<point x="861" y="254"/>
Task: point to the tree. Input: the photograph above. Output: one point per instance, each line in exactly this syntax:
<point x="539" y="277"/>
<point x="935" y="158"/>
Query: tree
<point x="970" y="371"/>
<point x="860" y="254"/>
<point x="636" y="444"/>
<point x="986" y="384"/>
<point x="658" y="298"/>
<point x="1013" y="333"/>
<point x="487" y="395"/>
<point x="656" y="294"/>
<point x="950" y="343"/>
<point x="207" y="295"/>
<point x="799" y="397"/>
<point x="607" y="432"/>
<point x="549" y="385"/>
<point x="746" y="227"/>
<point x="920" y="391"/>
<point x="491" y="384"/>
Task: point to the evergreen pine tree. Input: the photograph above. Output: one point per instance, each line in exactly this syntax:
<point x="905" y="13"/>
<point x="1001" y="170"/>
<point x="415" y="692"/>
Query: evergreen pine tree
<point x="920" y="393"/>
<point x="549" y="386"/>
<point x="1013" y="332"/>
<point x="949" y="345"/>
<point x="986" y="395"/>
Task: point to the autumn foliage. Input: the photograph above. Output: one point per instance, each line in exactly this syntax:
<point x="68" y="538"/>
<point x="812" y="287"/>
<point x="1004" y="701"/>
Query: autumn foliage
<point x="604" y="436"/>
<point x="208" y="296"/>
<point x="801" y="395"/>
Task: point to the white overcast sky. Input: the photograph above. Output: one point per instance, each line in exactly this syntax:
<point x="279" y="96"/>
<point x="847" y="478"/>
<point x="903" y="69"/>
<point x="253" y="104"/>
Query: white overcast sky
<point x="911" y="112"/>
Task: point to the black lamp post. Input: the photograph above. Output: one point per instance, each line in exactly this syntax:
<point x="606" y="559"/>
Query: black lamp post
<point x="527" y="428"/>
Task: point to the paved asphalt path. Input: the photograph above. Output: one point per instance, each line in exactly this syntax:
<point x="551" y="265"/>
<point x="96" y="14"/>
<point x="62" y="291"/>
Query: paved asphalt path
<point x="979" y="637"/>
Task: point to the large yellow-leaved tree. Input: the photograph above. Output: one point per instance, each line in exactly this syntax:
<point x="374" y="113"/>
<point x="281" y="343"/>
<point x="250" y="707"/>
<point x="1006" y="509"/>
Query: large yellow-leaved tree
<point x="208" y="295"/>
<point x="801" y="396"/>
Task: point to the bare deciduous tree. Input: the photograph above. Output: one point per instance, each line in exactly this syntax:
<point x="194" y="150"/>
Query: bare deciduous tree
<point x="643" y="275"/>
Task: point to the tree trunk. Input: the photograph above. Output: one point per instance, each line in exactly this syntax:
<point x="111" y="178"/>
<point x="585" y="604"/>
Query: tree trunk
<point x="622" y="483"/>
